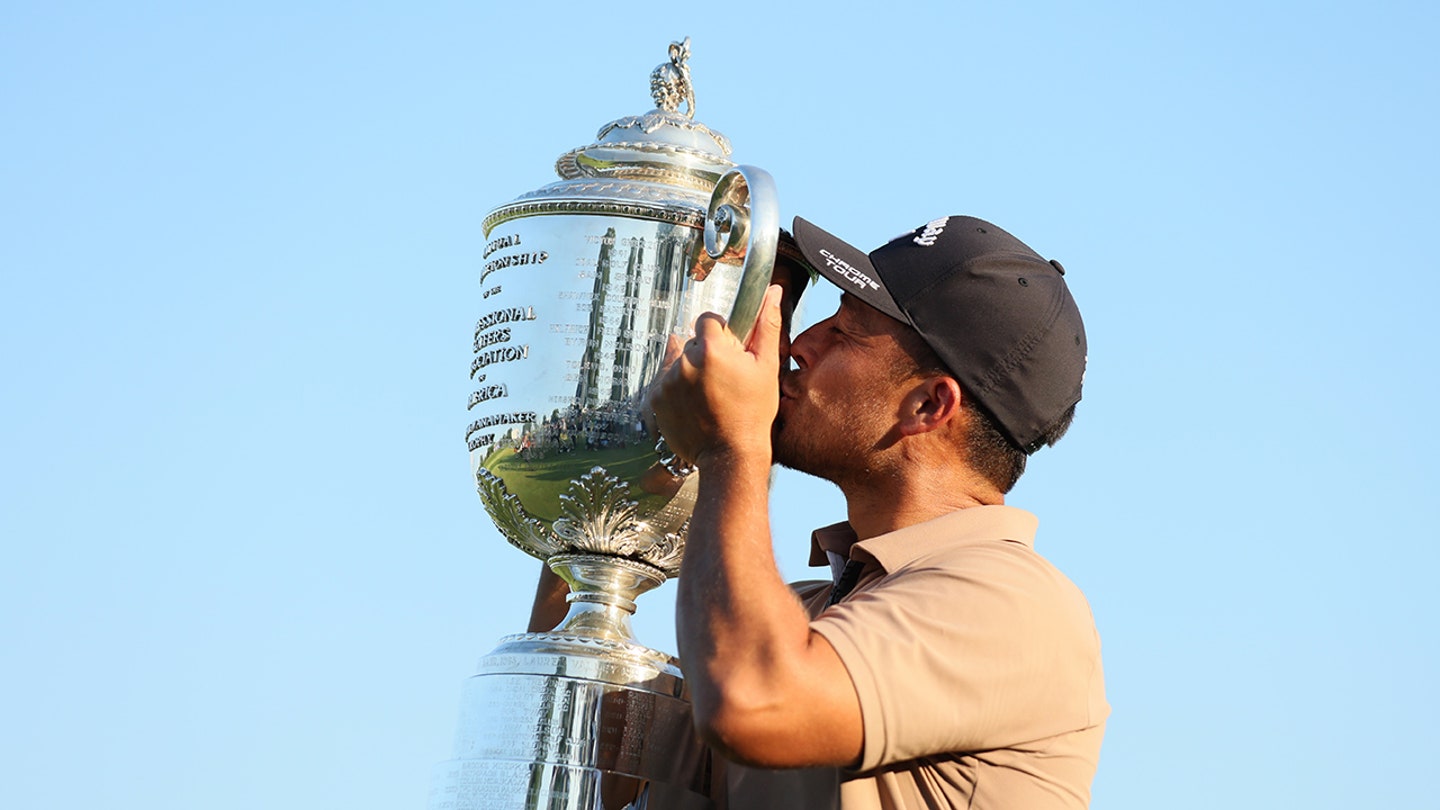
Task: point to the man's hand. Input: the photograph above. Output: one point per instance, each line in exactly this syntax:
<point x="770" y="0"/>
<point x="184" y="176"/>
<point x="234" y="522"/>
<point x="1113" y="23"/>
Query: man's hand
<point x="721" y="396"/>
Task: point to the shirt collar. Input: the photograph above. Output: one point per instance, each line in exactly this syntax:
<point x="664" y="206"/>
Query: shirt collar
<point x="963" y="527"/>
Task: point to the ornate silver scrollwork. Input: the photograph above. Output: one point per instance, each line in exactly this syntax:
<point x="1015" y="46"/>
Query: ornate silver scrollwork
<point x="668" y="550"/>
<point x="598" y="516"/>
<point x="524" y="532"/>
<point x="673" y="464"/>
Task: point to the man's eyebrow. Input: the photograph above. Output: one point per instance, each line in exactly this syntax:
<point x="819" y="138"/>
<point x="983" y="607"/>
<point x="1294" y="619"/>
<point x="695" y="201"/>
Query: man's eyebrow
<point x="851" y="315"/>
<point x="853" y="305"/>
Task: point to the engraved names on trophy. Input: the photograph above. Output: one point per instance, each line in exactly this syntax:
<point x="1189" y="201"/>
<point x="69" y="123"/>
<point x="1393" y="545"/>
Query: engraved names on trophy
<point x="563" y="720"/>
<point x="517" y="711"/>
<point x="463" y="784"/>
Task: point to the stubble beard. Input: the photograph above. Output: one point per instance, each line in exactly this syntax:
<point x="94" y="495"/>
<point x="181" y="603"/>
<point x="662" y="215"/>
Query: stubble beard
<point x="797" y="450"/>
<point x="810" y="436"/>
<point x="813" y="447"/>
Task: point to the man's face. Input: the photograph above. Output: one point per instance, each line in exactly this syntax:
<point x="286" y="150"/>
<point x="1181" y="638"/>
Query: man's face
<point x="841" y="401"/>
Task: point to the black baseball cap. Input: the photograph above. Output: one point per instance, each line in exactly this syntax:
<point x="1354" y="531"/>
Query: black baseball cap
<point x="1000" y="317"/>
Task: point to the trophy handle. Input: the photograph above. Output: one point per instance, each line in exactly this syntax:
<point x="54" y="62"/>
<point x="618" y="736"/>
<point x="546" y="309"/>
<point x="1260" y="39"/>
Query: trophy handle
<point x="742" y="228"/>
<point x="745" y="214"/>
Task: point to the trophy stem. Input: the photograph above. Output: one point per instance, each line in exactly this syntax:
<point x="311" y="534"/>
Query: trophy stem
<point x="602" y="593"/>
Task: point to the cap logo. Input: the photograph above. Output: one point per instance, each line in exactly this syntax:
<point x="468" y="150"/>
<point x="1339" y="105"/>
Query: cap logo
<point x="932" y="231"/>
<point x="850" y="273"/>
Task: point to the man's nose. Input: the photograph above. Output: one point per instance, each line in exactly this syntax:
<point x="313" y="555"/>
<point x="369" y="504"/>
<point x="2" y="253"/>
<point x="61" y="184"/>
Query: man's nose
<point x="800" y="348"/>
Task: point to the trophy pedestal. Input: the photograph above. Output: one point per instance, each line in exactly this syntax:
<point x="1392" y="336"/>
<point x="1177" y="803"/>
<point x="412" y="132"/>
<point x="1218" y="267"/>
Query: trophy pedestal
<point x="565" y="722"/>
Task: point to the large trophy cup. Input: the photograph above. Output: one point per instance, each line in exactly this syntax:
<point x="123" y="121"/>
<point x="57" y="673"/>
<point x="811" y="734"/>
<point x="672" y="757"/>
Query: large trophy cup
<point x="588" y="285"/>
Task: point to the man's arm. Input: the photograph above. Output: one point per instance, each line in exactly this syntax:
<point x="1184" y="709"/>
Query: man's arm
<point x="550" y="605"/>
<point x="767" y="690"/>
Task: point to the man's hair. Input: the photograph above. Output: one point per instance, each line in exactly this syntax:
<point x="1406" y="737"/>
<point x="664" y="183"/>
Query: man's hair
<point x="986" y="449"/>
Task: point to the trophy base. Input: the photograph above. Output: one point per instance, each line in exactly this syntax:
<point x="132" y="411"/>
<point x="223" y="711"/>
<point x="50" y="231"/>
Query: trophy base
<point x="561" y="722"/>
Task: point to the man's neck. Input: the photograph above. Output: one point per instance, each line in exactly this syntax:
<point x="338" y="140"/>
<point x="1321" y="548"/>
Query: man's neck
<point x="873" y="511"/>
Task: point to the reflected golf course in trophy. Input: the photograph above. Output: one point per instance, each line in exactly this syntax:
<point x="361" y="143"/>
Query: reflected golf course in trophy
<point x="587" y="285"/>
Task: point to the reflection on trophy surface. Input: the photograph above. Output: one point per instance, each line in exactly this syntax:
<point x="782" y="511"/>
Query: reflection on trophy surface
<point x="587" y="287"/>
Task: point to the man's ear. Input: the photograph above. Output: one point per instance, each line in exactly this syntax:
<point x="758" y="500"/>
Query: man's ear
<point x="932" y="403"/>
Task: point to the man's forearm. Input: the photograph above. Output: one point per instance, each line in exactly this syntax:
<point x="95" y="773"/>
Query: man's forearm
<point x="741" y="630"/>
<point x="549" y="606"/>
<point x="767" y="690"/>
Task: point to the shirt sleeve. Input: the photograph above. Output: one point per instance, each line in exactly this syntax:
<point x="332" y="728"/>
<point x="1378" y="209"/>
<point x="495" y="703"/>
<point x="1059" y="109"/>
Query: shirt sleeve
<point x="974" y="649"/>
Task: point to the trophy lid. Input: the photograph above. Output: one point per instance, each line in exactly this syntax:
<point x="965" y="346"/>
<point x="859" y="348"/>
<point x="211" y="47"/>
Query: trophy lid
<point x="642" y="146"/>
<point x="664" y="159"/>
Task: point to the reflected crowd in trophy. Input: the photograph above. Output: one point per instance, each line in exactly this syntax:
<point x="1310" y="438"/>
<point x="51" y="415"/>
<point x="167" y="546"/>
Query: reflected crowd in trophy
<point x="610" y="426"/>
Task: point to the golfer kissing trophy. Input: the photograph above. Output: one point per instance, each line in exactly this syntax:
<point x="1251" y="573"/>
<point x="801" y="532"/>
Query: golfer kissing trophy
<point x="588" y="287"/>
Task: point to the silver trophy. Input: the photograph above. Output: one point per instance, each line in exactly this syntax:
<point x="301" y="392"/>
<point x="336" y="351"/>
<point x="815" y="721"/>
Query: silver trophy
<point x="589" y="287"/>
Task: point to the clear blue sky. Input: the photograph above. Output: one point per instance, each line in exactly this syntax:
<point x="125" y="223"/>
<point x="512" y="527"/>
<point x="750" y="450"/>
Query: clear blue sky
<point x="243" y="563"/>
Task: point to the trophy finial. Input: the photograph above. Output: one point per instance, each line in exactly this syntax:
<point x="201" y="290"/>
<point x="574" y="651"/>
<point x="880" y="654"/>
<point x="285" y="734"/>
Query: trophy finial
<point x="670" y="82"/>
<point x="664" y="129"/>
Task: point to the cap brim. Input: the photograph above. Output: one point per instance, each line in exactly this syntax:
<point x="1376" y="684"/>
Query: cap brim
<point x="844" y="266"/>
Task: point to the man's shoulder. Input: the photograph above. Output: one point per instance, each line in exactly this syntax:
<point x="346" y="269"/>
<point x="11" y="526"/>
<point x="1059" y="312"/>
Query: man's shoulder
<point x="978" y="558"/>
<point x="1005" y="580"/>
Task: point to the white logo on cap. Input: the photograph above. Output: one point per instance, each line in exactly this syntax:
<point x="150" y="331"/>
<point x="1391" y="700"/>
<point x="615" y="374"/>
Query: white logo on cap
<point x="932" y="232"/>
<point x="850" y="273"/>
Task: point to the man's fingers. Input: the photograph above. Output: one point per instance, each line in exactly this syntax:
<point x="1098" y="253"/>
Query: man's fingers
<point x="673" y="346"/>
<point x="765" y="337"/>
<point x="708" y="325"/>
<point x="711" y="334"/>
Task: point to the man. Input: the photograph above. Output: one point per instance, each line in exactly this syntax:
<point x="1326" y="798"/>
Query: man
<point x="951" y="665"/>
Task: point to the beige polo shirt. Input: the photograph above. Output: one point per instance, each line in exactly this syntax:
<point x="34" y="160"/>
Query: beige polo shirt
<point x="977" y="666"/>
